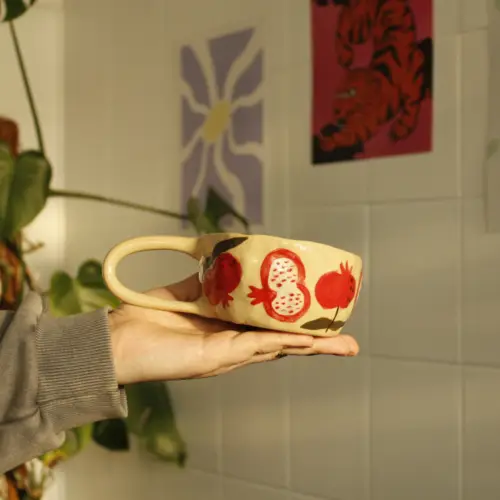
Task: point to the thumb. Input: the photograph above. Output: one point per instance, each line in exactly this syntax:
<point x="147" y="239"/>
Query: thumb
<point x="187" y="290"/>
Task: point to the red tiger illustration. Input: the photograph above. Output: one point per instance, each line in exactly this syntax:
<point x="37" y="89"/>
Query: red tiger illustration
<point x="397" y="79"/>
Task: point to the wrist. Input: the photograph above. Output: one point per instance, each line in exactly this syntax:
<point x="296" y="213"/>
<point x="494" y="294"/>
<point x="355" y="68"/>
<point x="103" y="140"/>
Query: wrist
<point x="115" y="347"/>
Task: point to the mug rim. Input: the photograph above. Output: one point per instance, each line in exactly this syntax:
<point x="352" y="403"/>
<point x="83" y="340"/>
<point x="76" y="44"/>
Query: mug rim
<point x="315" y="243"/>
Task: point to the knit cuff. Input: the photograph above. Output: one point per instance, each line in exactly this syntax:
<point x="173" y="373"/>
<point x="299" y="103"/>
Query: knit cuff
<point x="76" y="376"/>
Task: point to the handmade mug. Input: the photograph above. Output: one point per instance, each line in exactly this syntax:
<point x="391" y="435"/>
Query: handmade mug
<point x="262" y="281"/>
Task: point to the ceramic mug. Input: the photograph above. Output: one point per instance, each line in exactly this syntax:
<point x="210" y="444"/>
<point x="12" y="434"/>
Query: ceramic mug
<point x="262" y="281"/>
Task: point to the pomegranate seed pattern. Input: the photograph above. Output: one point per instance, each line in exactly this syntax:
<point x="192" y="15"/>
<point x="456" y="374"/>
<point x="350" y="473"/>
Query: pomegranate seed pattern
<point x="283" y="293"/>
<point x="283" y="281"/>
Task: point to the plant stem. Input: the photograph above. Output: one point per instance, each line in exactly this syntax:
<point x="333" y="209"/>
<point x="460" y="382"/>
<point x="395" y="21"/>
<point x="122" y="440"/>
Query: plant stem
<point x="27" y="87"/>
<point x="63" y="193"/>
<point x="333" y="320"/>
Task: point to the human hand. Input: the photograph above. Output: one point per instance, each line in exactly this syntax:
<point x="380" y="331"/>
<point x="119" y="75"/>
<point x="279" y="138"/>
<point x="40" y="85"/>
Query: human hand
<point x="156" y="345"/>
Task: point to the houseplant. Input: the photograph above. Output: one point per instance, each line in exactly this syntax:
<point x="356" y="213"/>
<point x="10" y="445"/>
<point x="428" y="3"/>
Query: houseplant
<point x="25" y="188"/>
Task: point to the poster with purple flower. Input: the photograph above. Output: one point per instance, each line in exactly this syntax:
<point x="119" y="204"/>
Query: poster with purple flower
<point x="222" y="99"/>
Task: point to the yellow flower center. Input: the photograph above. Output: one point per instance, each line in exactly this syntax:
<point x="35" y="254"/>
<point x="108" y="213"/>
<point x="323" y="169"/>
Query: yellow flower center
<point x="216" y="121"/>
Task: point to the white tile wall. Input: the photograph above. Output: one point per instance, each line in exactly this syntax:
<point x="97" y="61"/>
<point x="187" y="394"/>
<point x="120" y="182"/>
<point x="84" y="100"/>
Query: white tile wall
<point x="481" y="438"/>
<point x="415" y="263"/>
<point x="481" y="288"/>
<point x="415" y="411"/>
<point x="411" y="418"/>
<point x="329" y="427"/>
<point x="237" y="490"/>
<point x="254" y="436"/>
<point x="473" y="138"/>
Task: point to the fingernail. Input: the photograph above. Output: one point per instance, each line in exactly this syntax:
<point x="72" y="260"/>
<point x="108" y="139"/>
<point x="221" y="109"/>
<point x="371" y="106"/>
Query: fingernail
<point x="281" y="355"/>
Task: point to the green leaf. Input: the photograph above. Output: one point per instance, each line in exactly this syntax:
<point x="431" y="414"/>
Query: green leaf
<point x="84" y="435"/>
<point x="6" y="174"/>
<point x="86" y="293"/>
<point x="199" y="220"/>
<point x="323" y="324"/>
<point x="92" y="288"/>
<point x="12" y="9"/>
<point x="217" y="208"/>
<point x="90" y="274"/>
<point x="76" y="440"/>
<point x="226" y="245"/>
<point x="152" y="419"/>
<point x="92" y="299"/>
<point x="63" y="295"/>
<point x="29" y="190"/>
<point x="336" y="325"/>
<point x="111" y="434"/>
<point x="493" y="145"/>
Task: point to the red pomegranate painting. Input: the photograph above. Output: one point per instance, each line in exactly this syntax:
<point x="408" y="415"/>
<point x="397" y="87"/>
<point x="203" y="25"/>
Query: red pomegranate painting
<point x="222" y="279"/>
<point x="222" y="272"/>
<point x="284" y="294"/>
<point x="334" y="290"/>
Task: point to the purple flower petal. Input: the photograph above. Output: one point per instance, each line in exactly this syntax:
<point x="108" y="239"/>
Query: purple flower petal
<point x="247" y="124"/>
<point x="194" y="76"/>
<point x="250" y="79"/>
<point x="249" y="170"/>
<point x="225" y="50"/>
<point x="191" y="122"/>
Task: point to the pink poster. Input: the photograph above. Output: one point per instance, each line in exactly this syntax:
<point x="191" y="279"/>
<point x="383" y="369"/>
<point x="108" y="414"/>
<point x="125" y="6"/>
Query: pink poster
<point x="372" y="78"/>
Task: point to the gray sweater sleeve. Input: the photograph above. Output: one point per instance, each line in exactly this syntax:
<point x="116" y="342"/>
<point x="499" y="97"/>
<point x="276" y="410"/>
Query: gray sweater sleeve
<point x="56" y="374"/>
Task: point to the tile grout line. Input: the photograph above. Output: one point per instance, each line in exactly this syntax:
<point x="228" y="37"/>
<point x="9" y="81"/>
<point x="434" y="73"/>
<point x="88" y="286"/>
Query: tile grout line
<point x="460" y="210"/>
<point x="287" y="375"/>
<point x="369" y="489"/>
<point x="288" y="231"/>
<point x="218" y="428"/>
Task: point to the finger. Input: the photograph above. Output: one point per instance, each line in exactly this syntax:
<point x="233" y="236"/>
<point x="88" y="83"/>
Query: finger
<point x="187" y="290"/>
<point x="263" y="342"/>
<point x="341" y="345"/>
<point x="258" y="358"/>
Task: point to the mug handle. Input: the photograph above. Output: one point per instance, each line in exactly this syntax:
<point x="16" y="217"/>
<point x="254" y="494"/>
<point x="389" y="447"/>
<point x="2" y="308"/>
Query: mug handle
<point x="181" y="244"/>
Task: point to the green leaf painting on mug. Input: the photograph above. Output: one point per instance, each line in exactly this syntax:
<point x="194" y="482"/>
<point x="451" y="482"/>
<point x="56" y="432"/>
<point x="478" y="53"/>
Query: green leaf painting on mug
<point x="12" y="9"/>
<point x="323" y="324"/>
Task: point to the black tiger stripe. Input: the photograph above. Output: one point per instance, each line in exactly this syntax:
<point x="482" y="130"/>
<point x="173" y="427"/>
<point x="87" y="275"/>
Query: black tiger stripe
<point x="379" y="6"/>
<point x="389" y="49"/>
<point x="359" y="32"/>
<point x="350" y="35"/>
<point x="384" y="70"/>
<point x="419" y="72"/>
<point x="390" y="113"/>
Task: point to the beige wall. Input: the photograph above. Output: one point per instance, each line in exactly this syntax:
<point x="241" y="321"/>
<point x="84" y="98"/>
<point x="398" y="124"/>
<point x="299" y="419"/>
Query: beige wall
<point x="414" y="417"/>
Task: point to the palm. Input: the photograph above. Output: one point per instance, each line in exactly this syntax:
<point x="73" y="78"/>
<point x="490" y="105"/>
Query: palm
<point x="158" y="345"/>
